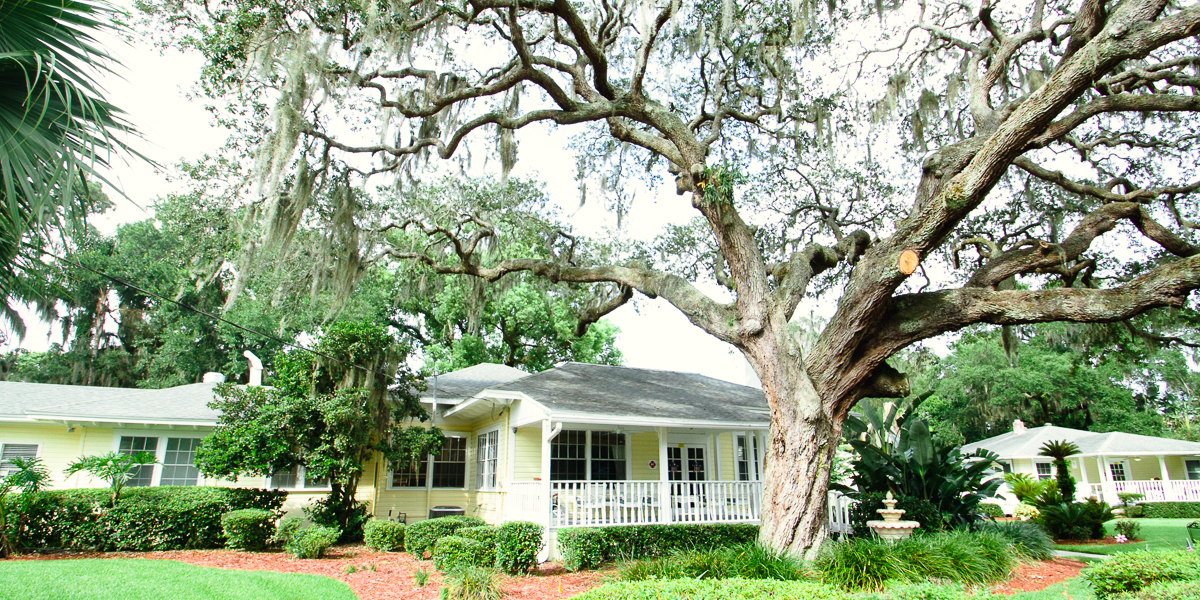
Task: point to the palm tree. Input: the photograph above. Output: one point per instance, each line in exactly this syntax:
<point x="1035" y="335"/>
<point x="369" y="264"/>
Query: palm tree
<point x="56" y="131"/>
<point x="1059" y="450"/>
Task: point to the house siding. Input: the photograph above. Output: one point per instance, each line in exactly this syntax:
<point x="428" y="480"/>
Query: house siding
<point x="728" y="466"/>
<point x="528" y="455"/>
<point x="643" y="448"/>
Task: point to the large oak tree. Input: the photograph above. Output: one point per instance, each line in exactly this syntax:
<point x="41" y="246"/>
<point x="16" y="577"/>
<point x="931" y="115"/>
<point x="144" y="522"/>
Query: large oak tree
<point x="882" y="141"/>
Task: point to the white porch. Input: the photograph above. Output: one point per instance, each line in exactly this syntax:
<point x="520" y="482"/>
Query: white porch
<point x="1152" y="491"/>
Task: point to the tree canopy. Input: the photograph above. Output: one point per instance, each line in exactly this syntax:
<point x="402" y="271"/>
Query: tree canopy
<point x="915" y="161"/>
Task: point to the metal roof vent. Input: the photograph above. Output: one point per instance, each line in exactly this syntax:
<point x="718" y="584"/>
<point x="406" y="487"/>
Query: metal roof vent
<point x="212" y="377"/>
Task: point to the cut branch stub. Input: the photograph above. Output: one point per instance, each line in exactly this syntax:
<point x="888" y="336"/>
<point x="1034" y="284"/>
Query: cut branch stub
<point x="908" y="262"/>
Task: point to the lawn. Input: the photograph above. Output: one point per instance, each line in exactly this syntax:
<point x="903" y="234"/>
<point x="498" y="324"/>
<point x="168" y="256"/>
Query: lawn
<point x="1157" y="534"/>
<point x="139" y="579"/>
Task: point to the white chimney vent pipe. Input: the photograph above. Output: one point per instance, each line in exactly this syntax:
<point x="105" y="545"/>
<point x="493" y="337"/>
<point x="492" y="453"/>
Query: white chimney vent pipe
<point x="211" y="377"/>
<point x="255" y="368"/>
<point x="1018" y="427"/>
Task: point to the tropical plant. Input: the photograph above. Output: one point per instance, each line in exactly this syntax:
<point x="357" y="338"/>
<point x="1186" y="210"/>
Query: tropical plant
<point x="1129" y="498"/>
<point x="55" y="130"/>
<point x="28" y="476"/>
<point x="1075" y="520"/>
<point x="917" y="466"/>
<point x="114" y="467"/>
<point x="1060" y="450"/>
<point x="1024" y="486"/>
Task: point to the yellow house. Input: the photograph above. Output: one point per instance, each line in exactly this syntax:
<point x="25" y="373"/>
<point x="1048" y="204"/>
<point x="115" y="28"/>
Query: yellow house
<point x="576" y="445"/>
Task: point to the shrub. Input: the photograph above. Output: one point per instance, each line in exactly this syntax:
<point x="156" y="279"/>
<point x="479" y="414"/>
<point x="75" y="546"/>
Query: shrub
<point x="454" y="552"/>
<point x="582" y="548"/>
<point x="518" y="545"/>
<point x="284" y="531"/>
<point x="1028" y="539"/>
<point x="990" y="510"/>
<point x="147" y="518"/>
<point x="861" y="563"/>
<point x="1025" y="487"/>
<point x="421" y="536"/>
<point x="710" y="589"/>
<point x="421" y="577"/>
<point x="1136" y="511"/>
<point x="1076" y="520"/>
<point x="484" y="533"/>
<point x="915" y="509"/>
<point x="643" y="541"/>
<point x="385" y="536"/>
<point x="1171" y="510"/>
<point x="964" y="557"/>
<point x="1132" y="571"/>
<point x="1026" y="511"/>
<point x="473" y="583"/>
<point x="1129" y="529"/>
<point x="467" y="520"/>
<point x="248" y="528"/>
<point x="324" y="512"/>
<point x="1166" y="590"/>
<point x="1129" y="498"/>
<point x="312" y="542"/>
<point x="750" y="561"/>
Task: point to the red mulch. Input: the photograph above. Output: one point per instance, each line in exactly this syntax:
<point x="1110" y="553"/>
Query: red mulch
<point x="1108" y="541"/>
<point x="392" y="578"/>
<point x="1040" y="575"/>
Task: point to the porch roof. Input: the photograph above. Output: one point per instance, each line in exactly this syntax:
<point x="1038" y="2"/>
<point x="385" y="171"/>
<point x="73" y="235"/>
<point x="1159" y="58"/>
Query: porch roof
<point x="573" y="391"/>
<point x="1114" y="443"/>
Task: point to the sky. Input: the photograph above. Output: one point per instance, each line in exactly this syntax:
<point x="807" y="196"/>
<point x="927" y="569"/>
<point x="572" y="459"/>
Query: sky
<point x="153" y="87"/>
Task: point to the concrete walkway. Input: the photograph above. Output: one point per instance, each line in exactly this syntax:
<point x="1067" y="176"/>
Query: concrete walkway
<point x="1068" y="554"/>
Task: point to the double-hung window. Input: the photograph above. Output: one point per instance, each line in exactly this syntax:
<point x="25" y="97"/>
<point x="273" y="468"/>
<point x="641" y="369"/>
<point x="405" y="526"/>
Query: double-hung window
<point x="1192" y="466"/>
<point x="10" y="451"/>
<point x="568" y="456"/>
<point x="1044" y="470"/>
<point x="608" y="456"/>
<point x="487" y="457"/>
<point x="297" y="479"/>
<point x="143" y="475"/>
<point x="179" y="463"/>
<point x="746" y="453"/>
<point x="176" y="460"/>
<point x="446" y="469"/>
<point x="577" y="455"/>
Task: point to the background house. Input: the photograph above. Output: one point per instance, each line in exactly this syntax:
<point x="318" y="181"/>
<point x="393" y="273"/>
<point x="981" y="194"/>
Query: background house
<point x="1161" y="469"/>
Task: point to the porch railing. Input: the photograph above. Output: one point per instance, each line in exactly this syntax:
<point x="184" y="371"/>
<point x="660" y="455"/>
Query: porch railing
<point x="599" y="503"/>
<point x="1159" y="491"/>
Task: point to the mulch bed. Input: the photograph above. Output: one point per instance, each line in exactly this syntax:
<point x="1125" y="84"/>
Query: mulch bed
<point x="392" y="578"/>
<point x="1107" y="541"/>
<point x="1040" y="575"/>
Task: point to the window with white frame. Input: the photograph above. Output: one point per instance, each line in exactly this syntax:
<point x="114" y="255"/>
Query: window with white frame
<point x="1191" y="465"/>
<point x="411" y="474"/>
<point x="10" y="451"/>
<point x="296" y="479"/>
<point x="487" y="458"/>
<point x="568" y="456"/>
<point x="746" y="453"/>
<point x="143" y="475"/>
<point x="450" y="465"/>
<point x="1044" y="470"/>
<point x="608" y="456"/>
<point x="1119" y="470"/>
<point x="176" y="457"/>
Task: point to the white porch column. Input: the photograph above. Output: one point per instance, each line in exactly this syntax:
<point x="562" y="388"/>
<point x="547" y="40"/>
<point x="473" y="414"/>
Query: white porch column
<point x="548" y="434"/>
<point x="1106" y="481"/>
<point x="1168" y="487"/>
<point x="716" y="445"/>
<point x="1087" y="488"/>
<point x="664" y="486"/>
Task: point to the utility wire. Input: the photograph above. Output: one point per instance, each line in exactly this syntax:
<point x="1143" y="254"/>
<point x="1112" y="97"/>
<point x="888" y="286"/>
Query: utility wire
<point x="198" y="311"/>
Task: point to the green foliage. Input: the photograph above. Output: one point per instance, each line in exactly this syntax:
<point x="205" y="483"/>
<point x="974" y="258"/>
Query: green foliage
<point x="385" y="536"/>
<point x="1128" y="498"/>
<point x="311" y="542"/>
<point x="1076" y="520"/>
<point x="990" y="510"/>
<point x="114" y="467"/>
<point x="28" y="477"/>
<point x="1028" y="539"/>
<point x="422" y="536"/>
<point x="421" y="577"/>
<point x="712" y="589"/>
<point x="287" y="527"/>
<point x="1060" y="450"/>
<point x="1128" y="528"/>
<point x="518" y="545"/>
<point x="1165" y="590"/>
<point x="1171" y="510"/>
<point x="247" y="528"/>
<point x="582" y="547"/>
<point x="468" y="520"/>
<point x="454" y="552"/>
<point x="473" y="583"/>
<point x="1025" y="487"/>
<point x="969" y="558"/>
<point x="329" y="512"/>
<point x="483" y="533"/>
<point x="748" y="561"/>
<point x="915" y="509"/>
<point x="644" y="541"/>
<point x="1132" y="571"/>
<point x="147" y="518"/>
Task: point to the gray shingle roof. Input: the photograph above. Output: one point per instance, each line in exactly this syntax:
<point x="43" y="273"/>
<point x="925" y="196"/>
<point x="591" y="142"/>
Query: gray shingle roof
<point x="625" y="391"/>
<point x="1026" y="445"/>
<point x="39" y="400"/>
<point x="458" y="385"/>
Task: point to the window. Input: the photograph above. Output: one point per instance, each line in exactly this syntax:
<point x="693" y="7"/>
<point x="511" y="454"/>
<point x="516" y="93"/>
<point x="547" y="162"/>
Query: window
<point x="568" y="456"/>
<point x="608" y="456"/>
<point x="295" y="479"/>
<point x="143" y="475"/>
<point x="1044" y="470"/>
<point x="487" y="453"/>
<point x="746" y="453"/>
<point x="410" y="474"/>
<point x="695" y="463"/>
<point x="450" y="465"/>
<point x="1192" y="466"/>
<point x="1118" y="470"/>
<point x="179" y="463"/>
<point x="11" y="451"/>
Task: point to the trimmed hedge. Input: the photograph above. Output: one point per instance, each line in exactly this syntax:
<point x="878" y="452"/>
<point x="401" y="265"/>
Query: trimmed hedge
<point x="1132" y="571"/>
<point x="422" y="536"/>
<point x="285" y="529"/>
<point x="518" y="545"/>
<point x="312" y="542"/>
<point x="1167" y="590"/>
<point x="453" y="553"/>
<point x="1169" y="510"/>
<point x="146" y="518"/>
<point x="467" y="520"/>
<point x="645" y="541"/>
<point x="484" y="533"/>
<point x="247" y="528"/>
<point x="990" y="510"/>
<point x="385" y="536"/>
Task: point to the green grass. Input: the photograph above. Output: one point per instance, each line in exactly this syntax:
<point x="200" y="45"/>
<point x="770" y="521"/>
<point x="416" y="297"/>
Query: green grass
<point x="1077" y="588"/>
<point x="1160" y="534"/>
<point x="139" y="579"/>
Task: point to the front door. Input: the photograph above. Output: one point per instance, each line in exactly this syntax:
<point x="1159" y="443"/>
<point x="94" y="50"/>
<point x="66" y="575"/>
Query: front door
<point x="695" y="463"/>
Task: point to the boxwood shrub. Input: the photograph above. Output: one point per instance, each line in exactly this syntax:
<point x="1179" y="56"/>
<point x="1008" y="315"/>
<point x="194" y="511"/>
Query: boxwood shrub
<point x="385" y="536"/>
<point x="247" y="528"/>
<point x="1132" y="571"/>
<point x="1166" y="590"/>
<point x="147" y="518"/>
<point x="645" y="541"/>
<point x="454" y="552"/>
<point x="990" y="510"/>
<point x="420" y="537"/>
<point x="518" y="545"/>
<point x="483" y="533"/>
<point x="1169" y="510"/>
<point x="312" y="542"/>
<point x="467" y="520"/>
<point x="582" y="548"/>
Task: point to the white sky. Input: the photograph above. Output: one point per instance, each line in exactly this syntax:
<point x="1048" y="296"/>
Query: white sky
<point x="153" y="90"/>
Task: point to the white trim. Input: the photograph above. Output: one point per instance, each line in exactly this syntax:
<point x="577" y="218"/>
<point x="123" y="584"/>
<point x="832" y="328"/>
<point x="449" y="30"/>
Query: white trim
<point x="428" y="460"/>
<point x="1043" y="461"/>
<point x="617" y="420"/>
<point x="37" y="451"/>
<point x="160" y="449"/>
<point x="499" y="444"/>
<point x="301" y="477"/>
<point x="76" y="418"/>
